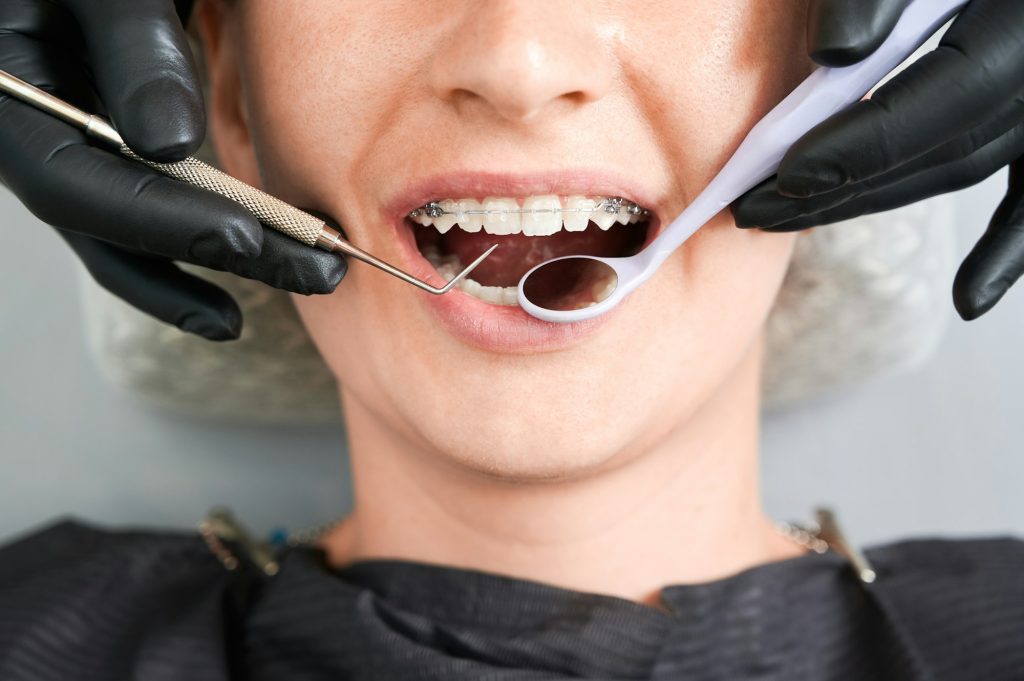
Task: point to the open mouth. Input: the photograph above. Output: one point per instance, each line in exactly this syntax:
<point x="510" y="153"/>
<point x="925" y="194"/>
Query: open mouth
<point x="529" y="231"/>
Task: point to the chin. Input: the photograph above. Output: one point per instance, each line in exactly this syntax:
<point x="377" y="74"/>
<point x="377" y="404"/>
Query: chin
<point x="548" y="442"/>
<point x="525" y="459"/>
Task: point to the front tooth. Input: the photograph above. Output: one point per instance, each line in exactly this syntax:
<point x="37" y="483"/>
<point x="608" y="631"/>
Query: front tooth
<point x="603" y="219"/>
<point x="548" y="218"/>
<point x="504" y="221"/>
<point x="577" y="218"/>
<point x="443" y="223"/>
<point x="469" y="223"/>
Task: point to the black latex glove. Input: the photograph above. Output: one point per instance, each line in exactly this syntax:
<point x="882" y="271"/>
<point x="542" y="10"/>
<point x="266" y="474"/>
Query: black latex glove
<point x="947" y="122"/>
<point x="130" y="60"/>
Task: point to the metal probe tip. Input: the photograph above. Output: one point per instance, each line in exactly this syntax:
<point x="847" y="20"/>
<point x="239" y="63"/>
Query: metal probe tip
<point x="472" y="266"/>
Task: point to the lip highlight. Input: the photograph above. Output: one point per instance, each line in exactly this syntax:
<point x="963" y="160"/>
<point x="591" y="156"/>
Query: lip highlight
<point x="494" y="328"/>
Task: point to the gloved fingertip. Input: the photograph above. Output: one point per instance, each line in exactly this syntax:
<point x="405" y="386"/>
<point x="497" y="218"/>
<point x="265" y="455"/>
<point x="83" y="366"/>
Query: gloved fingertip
<point x="843" y="33"/>
<point x="744" y="219"/>
<point x="839" y="55"/>
<point x="164" y="121"/>
<point x="754" y="213"/>
<point x="337" y="274"/>
<point x="322" y="278"/>
<point x="213" y="327"/>
<point x="971" y="302"/>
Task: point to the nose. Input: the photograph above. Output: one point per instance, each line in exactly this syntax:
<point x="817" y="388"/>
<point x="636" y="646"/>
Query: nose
<point x="520" y="57"/>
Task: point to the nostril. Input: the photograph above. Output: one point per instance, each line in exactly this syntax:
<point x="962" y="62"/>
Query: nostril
<point x="503" y="58"/>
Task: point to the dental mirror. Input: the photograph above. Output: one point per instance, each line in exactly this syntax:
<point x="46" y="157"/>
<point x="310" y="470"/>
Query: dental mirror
<point x="570" y="283"/>
<point x="574" y="288"/>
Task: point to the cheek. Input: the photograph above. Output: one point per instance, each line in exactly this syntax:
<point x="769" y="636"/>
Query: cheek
<point x="321" y="97"/>
<point x="715" y="295"/>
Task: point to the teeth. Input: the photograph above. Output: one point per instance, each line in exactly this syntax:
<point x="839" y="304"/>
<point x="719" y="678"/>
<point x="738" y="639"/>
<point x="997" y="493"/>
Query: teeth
<point x="449" y="266"/>
<point x="504" y="220"/>
<point x="538" y="216"/>
<point x="445" y="222"/>
<point x="473" y="222"/>
<point x="603" y="219"/>
<point x="546" y="218"/>
<point x="581" y="209"/>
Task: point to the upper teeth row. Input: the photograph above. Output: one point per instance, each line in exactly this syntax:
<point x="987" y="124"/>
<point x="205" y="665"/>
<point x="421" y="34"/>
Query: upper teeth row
<point x="538" y="216"/>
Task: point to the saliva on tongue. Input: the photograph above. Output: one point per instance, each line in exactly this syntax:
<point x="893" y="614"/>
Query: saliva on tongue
<point x="518" y="254"/>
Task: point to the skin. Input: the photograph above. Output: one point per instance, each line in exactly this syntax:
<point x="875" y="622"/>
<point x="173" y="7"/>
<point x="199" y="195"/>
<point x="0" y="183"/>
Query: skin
<point x="621" y="464"/>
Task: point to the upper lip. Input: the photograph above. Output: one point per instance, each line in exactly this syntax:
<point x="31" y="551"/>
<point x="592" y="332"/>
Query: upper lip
<point x="475" y="184"/>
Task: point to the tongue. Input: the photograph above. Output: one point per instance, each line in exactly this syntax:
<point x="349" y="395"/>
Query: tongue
<point x="517" y="254"/>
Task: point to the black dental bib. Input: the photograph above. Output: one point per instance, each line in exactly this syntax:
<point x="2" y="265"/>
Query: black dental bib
<point x="84" y="603"/>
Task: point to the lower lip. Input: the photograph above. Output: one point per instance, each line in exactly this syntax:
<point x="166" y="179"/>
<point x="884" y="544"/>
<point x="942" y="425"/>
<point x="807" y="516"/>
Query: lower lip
<point x="494" y="328"/>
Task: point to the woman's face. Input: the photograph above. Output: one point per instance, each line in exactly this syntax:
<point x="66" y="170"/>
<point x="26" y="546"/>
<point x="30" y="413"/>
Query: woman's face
<point x="368" y="109"/>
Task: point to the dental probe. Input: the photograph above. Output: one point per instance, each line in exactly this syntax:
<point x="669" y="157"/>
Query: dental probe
<point x="269" y="210"/>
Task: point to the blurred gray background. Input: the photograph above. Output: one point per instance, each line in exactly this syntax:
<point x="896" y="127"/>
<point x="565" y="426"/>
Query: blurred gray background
<point x="935" y="451"/>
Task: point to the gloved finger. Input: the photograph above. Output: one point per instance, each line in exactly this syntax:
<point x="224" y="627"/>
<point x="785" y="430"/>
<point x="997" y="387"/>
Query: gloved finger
<point x="997" y="260"/>
<point x="974" y="71"/>
<point x="764" y="207"/>
<point x="48" y="68"/>
<point x="287" y="264"/>
<point x="843" y="32"/>
<point x="68" y="183"/>
<point x="145" y="74"/>
<point x="43" y="21"/>
<point x="950" y="177"/>
<point x="158" y="288"/>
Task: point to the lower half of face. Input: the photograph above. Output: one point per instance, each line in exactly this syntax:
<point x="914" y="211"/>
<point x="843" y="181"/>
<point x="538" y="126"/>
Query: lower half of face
<point x="371" y="111"/>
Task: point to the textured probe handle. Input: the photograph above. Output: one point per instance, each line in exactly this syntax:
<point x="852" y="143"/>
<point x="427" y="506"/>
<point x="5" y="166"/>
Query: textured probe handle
<point x="268" y="209"/>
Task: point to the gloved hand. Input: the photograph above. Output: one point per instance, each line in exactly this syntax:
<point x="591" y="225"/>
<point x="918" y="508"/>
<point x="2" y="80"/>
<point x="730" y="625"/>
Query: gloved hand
<point x="947" y="122"/>
<point x="130" y="59"/>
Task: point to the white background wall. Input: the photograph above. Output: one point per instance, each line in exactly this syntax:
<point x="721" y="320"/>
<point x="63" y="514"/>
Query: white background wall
<point x="936" y="451"/>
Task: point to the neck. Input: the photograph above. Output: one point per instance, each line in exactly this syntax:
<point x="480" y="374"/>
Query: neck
<point x="687" y="510"/>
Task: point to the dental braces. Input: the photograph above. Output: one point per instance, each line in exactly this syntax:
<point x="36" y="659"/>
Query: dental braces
<point x="612" y="205"/>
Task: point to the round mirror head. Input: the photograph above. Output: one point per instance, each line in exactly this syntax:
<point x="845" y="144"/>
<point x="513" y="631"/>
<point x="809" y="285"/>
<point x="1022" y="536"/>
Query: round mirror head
<point x="571" y="283"/>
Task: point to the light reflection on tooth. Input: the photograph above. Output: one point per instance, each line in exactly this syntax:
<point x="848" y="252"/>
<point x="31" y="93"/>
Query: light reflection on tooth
<point x="504" y="222"/>
<point x="547" y="220"/>
<point x="469" y="223"/>
<point x="576" y="220"/>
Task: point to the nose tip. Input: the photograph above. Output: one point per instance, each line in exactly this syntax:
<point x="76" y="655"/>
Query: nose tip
<point x="507" y="58"/>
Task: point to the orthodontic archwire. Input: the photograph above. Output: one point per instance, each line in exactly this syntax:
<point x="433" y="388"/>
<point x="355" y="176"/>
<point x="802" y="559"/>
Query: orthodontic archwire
<point x="613" y="205"/>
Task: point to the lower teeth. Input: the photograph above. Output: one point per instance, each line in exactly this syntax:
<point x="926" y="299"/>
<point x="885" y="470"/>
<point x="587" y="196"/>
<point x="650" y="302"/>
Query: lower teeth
<point x="450" y="265"/>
